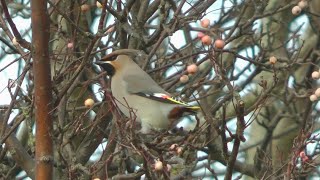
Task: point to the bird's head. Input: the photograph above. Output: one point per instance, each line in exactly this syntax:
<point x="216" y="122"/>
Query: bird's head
<point x="107" y="63"/>
<point x="117" y="59"/>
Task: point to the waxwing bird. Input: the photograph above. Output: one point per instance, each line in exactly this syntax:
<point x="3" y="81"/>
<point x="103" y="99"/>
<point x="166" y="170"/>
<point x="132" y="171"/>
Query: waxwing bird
<point x="134" y="88"/>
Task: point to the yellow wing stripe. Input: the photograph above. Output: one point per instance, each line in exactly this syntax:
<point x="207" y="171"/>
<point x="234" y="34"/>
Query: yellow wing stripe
<point x="167" y="99"/>
<point x="183" y="103"/>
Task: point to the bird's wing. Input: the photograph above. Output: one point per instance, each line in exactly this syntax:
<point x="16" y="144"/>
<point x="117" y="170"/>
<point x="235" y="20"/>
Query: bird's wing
<point x="167" y="99"/>
<point x="141" y="83"/>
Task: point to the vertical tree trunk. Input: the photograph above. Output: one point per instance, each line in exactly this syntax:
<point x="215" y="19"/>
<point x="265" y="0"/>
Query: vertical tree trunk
<point x="42" y="82"/>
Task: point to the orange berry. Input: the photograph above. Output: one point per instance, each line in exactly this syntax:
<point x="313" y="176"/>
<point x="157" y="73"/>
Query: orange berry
<point x="158" y="166"/>
<point x="273" y="60"/>
<point x="179" y="150"/>
<point x="206" y="40"/>
<point x="205" y="23"/>
<point x="192" y="68"/>
<point x="315" y="75"/>
<point x="317" y="92"/>
<point x="184" y="78"/>
<point x="302" y="154"/>
<point x="296" y="10"/>
<point x="173" y="147"/>
<point x="303" y="4"/>
<point x="70" y="45"/>
<point x="85" y="7"/>
<point x="88" y="103"/>
<point x="313" y="97"/>
<point x="200" y="35"/>
<point x="219" y="43"/>
<point x="14" y="41"/>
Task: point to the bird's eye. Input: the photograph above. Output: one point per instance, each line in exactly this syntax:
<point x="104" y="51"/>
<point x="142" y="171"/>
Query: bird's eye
<point x="112" y="58"/>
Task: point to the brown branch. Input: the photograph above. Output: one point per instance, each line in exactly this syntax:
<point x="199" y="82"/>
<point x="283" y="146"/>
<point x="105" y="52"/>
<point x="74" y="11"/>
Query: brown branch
<point x="223" y="134"/>
<point x="215" y="154"/>
<point x="103" y="16"/>
<point x="43" y="95"/>
<point x="153" y="7"/>
<point x="237" y="139"/>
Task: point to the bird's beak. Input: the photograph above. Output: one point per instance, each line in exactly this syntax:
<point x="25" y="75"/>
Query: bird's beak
<point x="100" y="63"/>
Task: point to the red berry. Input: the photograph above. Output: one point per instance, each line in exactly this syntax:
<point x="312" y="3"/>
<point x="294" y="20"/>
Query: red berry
<point x="296" y="10"/>
<point x="206" y="40"/>
<point x="205" y="23"/>
<point x="193" y="68"/>
<point x="219" y="44"/>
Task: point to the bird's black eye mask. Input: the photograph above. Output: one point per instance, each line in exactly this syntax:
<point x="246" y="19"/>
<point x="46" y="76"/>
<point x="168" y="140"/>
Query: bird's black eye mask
<point x="105" y="65"/>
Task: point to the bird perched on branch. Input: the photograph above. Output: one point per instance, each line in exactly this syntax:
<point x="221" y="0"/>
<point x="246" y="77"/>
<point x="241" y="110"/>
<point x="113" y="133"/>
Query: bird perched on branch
<point x="134" y="88"/>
